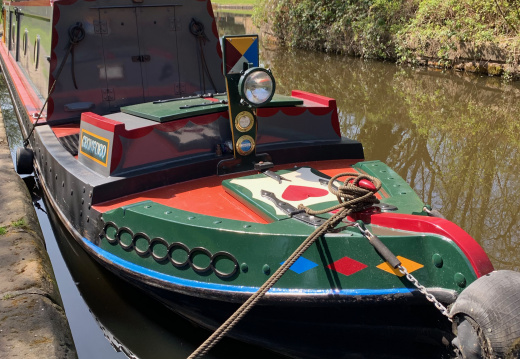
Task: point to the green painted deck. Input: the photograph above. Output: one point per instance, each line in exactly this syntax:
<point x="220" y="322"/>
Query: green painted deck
<point x="179" y="109"/>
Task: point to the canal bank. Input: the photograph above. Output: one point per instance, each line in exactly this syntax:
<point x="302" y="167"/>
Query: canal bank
<point x="479" y="37"/>
<point x="32" y="320"/>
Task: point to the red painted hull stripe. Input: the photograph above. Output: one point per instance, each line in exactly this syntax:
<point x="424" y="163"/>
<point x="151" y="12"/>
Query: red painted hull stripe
<point x="473" y="251"/>
<point x="27" y="95"/>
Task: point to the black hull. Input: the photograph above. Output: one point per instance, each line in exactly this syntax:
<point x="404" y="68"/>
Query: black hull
<point x="407" y="327"/>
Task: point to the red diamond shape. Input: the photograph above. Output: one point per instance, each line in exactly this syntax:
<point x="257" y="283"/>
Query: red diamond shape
<point x="347" y="266"/>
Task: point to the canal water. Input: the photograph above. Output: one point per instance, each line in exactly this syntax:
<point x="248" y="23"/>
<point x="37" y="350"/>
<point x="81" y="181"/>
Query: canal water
<point x="454" y="137"/>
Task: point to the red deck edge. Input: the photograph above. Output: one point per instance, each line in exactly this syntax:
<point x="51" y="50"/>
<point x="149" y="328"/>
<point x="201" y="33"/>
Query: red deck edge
<point x="24" y="89"/>
<point x="322" y="100"/>
<point x="102" y="122"/>
<point x="65" y="130"/>
<point x="473" y="251"/>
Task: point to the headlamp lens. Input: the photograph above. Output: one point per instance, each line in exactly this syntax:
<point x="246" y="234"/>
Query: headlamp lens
<point x="258" y="87"/>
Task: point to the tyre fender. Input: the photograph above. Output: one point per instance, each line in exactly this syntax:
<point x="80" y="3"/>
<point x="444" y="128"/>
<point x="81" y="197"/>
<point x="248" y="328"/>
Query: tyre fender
<point x="24" y="161"/>
<point x="487" y="317"/>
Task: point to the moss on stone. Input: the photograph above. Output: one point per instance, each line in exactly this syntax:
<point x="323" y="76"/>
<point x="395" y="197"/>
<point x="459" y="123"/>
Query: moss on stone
<point x="495" y="69"/>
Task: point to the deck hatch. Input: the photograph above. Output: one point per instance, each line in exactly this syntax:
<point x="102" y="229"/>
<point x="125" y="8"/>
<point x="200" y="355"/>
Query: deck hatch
<point x="300" y="185"/>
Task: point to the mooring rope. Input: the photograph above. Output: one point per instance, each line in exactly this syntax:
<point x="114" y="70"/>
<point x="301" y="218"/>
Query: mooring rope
<point x="197" y="30"/>
<point x="352" y="199"/>
<point x="350" y="194"/>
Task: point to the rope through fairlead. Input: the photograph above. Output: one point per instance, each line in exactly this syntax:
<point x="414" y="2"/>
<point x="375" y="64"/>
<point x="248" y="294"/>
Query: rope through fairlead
<point x="351" y="198"/>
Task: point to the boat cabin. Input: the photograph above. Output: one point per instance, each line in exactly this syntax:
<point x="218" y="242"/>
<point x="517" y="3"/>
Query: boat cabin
<point x="115" y="53"/>
<point x="130" y="85"/>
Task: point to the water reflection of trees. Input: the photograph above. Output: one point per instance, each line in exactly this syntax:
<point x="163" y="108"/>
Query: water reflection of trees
<point x="454" y="138"/>
<point x="10" y="122"/>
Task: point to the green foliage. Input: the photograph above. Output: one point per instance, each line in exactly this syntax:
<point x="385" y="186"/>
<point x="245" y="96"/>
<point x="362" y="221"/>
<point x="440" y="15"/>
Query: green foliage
<point x="361" y="27"/>
<point x="19" y="223"/>
<point x="393" y="29"/>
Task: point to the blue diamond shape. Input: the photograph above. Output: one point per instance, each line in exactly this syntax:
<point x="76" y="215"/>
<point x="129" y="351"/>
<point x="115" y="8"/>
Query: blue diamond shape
<point x="302" y="265"/>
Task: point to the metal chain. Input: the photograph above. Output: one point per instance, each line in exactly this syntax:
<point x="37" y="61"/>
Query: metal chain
<point x="389" y="256"/>
<point x="424" y="291"/>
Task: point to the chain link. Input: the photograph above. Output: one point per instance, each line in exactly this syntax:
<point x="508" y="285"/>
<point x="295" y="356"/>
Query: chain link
<point x="410" y="277"/>
<point x="424" y="291"/>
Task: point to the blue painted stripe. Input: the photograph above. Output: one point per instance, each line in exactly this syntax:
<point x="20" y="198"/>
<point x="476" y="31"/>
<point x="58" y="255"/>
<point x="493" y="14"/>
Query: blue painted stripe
<point x="232" y="288"/>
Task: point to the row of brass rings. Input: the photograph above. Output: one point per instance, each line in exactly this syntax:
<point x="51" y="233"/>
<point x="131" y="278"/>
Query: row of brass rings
<point x="170" y="248"/>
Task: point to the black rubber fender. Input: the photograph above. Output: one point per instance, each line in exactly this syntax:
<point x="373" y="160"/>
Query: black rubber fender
<point x="488" y="312"/>
<point x="24" y="161"/>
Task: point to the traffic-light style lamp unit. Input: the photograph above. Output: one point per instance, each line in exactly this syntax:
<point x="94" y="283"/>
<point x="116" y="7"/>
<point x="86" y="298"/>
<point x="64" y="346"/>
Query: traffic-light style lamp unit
<point x="248" y="87"/>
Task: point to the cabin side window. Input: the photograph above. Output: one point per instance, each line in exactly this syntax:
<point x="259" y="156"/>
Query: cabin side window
<point x="13" y="37"/>
<point x="24" y="42"/>
<point x="36" y="56"/>
<point x="30" y="43"/>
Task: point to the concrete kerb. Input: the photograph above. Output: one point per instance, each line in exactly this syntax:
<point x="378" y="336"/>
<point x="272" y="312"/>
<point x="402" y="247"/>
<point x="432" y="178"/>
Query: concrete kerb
<point x="32" y="320"/>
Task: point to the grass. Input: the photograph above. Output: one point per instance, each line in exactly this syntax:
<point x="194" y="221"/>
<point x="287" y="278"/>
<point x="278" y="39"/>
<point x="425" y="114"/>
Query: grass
<point x="19" y="223"/>
<point x="235" y="2"/>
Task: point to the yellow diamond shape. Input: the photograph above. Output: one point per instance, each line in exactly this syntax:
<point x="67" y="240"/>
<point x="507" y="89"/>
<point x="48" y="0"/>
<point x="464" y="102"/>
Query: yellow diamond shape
<point x="410" y="266"/>
<point x="242" y="44"/>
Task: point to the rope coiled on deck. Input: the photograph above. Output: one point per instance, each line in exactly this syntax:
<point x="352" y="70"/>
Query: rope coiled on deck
<point x="349" y="194"/>
<point x="351" y="199"/>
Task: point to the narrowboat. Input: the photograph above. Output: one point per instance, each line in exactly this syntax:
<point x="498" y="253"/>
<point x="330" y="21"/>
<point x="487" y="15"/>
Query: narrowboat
<point x="168" y="155"/>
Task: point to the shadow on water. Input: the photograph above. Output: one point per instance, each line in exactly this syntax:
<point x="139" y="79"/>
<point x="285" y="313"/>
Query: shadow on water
<point x="455" y="138"/>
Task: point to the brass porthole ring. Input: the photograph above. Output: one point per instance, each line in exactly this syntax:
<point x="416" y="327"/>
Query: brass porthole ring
<point x="138" y="235"/>
<point x="121" y="230"/>
<point x="245" y="145"/>
<point x="244" y="121"/>
<point x="104" y="232"/>
<point x="195" y="267"/>
<point x="228" y="256"/>
<point x="182" y="246"/>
